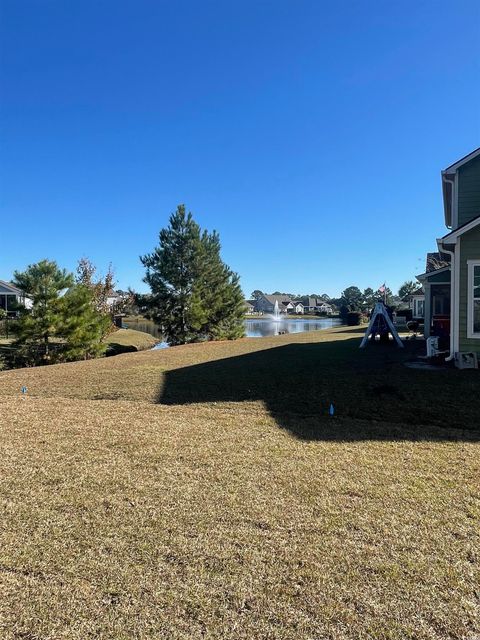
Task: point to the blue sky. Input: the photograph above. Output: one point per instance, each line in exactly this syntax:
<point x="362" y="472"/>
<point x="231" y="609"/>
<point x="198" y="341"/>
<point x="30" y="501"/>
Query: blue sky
<point x="310" y="134"/>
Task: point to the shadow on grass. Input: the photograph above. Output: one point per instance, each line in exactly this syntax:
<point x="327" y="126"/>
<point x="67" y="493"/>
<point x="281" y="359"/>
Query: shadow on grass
<point x="297" y="383"/>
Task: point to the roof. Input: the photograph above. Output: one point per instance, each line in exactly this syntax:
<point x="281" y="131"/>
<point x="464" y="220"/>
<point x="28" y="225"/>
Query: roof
<point x="12" y="287"/>
<point x="456" y="165"/>
<point x="317" y="302"/>
<point x="436" y="260"/>
<point x="417" y="292"/>
<point x="425" y="276"/>
<point x="280" y="299"/>
<point x="447" y="187"/>
<point x="451" y="237"/>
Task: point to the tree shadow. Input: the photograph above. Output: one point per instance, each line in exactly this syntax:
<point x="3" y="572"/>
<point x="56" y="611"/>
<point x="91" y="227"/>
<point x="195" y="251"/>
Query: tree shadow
<point x="298" y="383"/>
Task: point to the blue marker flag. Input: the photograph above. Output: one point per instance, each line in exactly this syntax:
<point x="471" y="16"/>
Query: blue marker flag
<point x="331" y="411"/>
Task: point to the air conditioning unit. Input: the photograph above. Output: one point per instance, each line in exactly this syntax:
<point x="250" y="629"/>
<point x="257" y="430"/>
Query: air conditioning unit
<point x="432" y="347"/>
<point x="466" y="360"/>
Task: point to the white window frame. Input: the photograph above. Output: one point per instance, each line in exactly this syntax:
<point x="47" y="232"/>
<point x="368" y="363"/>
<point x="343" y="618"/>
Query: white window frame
<point x="470" y="299"/>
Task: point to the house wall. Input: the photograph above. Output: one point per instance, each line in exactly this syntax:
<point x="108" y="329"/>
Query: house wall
<point x="469" y="191"/>
<point x="469" y="250"/>
<point x="264" y="306"/>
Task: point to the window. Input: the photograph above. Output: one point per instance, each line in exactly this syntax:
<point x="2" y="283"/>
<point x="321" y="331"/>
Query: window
<point x="473" y="310"/>
<point x="418" y="308"/>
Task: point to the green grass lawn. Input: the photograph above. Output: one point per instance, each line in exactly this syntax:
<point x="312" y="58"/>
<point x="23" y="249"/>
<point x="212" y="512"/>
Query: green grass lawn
<point x="204" y="492"/>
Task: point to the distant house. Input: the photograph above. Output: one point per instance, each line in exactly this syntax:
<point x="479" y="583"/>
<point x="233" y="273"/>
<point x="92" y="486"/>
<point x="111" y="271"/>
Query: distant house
<point x="10" y="298"/>
<point x="266" y="304"/>
<point x="114" y="299"/>
<point x="317" y="305"/>
<point x="416" y="304"/>
<point x="249" y="306"/>
<point x="298" y="307"/>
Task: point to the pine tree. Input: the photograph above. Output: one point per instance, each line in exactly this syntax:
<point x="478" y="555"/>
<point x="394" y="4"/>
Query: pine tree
<point x="42" y="283"/>
<point x="195" y="296"/>
<point x="62" y="323"/>
<point x="223" y="297"/>
<point x="82" y="327"/>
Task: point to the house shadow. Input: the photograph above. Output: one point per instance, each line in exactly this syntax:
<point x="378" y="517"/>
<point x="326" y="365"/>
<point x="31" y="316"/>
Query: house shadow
<point x="373" y="394"/>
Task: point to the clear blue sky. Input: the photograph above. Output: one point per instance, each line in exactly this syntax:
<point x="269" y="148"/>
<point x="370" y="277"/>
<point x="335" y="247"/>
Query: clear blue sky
<point x="310" y="134"/>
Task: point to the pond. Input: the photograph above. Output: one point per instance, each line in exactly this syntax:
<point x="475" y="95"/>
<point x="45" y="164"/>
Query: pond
<point x="264" y="327"/>
<point x="254" y="328"/>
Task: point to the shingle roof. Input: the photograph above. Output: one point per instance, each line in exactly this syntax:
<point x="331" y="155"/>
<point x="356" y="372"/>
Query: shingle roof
<point x="436" y="260"/>
<point x="281" y="299"/>
<point x="317" y="302"/>
<point x="12" y="287"/>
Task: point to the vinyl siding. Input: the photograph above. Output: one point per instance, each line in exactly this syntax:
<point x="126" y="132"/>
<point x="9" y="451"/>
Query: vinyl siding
<point x="439" y="277"/>
<point x="469" y="191"/>
<point x="469" y="250"/>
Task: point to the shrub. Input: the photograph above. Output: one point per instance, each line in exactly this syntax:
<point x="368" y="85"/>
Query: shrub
<point x="354" y="318"/>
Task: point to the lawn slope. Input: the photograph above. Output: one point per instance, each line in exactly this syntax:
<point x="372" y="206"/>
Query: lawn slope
<point x="202" y="492"/>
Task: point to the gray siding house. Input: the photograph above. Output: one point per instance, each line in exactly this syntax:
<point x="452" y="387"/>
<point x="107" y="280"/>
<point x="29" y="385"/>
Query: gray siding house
<point x="454" y="289"/>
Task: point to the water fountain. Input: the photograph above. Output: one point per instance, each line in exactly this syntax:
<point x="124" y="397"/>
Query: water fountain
<point x="276" y="312"/>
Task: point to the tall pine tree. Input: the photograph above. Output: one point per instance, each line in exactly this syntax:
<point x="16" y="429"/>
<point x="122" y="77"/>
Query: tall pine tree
<point x="195" y="296"/>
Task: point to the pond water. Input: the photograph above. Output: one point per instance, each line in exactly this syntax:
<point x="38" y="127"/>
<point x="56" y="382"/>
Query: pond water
<point x="254" y="328"/>
<point x="264" y="327"/>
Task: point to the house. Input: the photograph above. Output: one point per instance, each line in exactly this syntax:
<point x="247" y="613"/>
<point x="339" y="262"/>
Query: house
<point x="416" y="304"/>
<point x="10" y="298"/>
<point x="249" y="306"/>
<point x="436" y="287"/>
<point x="298" y="307"/>
<point x="454" y="289"/>
<point x="266" y="304"/>
<point x="115" y="299"/>
<point x="317" y="305"/>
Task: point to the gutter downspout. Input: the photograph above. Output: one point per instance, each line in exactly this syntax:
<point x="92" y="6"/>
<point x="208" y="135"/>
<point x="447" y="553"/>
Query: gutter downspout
<point x="452" y="298"/>
<point x="445" y="178"/>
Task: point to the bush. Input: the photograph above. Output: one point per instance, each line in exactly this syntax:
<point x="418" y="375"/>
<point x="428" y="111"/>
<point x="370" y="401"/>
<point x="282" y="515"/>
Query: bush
<point x="354" y="318"/>
<point x="405" y="313"/>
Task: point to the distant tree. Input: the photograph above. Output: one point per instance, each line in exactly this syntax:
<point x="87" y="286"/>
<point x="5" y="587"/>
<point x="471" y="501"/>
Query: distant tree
<point x="325" y="297"/>
<point x="352" y="298"/>
<point x="195" y="296"/>
<point x="100" y="287"/>
<point x="407" y="288"/>
<point x="369" y="299"/>
<point x="62" y="323"/>
<point x="256" y="294"/>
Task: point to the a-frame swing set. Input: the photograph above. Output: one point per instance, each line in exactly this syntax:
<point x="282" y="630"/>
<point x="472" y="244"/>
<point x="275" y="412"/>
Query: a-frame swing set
<point x="381" y="323"/>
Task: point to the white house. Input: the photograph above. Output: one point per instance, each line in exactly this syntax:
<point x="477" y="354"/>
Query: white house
<point x="11" y="297"/>
<point x="298" y="307"/>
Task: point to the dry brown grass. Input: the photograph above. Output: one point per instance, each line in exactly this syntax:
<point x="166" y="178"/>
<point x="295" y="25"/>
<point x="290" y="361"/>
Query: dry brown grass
<point x="129" y="338"/>
<point x="128" y="519"/>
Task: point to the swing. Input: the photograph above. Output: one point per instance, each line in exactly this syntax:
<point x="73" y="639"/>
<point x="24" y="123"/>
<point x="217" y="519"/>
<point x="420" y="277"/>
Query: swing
<point x="381" y="323"/>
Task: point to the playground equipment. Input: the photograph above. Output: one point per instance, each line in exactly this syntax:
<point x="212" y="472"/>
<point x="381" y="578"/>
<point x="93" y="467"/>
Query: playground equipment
<point x="380" y="323"/>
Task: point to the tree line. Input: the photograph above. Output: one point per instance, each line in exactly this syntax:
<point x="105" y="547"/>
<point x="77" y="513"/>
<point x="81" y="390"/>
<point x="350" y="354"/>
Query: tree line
<point x="352" y="298"/>
<point x="194" y="296"/>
